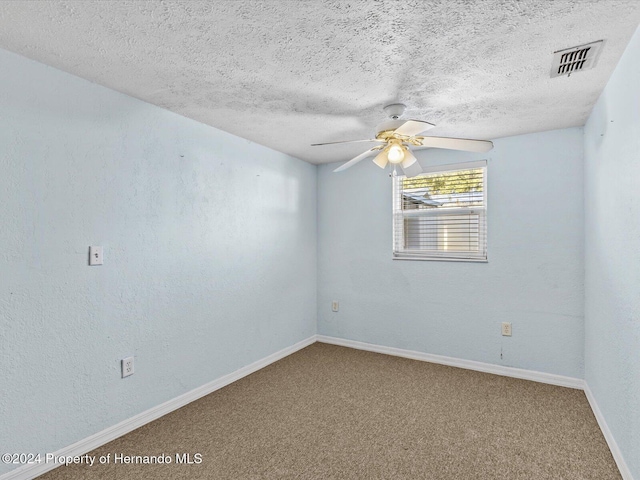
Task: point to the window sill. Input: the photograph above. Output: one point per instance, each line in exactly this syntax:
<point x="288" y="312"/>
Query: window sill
<point x="435" y="259"/>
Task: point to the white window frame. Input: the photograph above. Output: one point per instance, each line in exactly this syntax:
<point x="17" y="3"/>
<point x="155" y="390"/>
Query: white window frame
<point x="399" y="216"/>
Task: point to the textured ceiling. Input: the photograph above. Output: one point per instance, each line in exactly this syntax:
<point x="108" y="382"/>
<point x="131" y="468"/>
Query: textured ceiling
<point x="289" y="73"/>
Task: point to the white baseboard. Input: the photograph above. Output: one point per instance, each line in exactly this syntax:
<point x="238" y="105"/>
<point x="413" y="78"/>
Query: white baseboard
<point x="541" y="377"/>
<point x="27" y="472"/>
<point x="608" y="436"/>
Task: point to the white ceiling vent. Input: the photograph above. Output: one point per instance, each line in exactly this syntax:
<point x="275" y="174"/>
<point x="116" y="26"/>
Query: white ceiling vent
<point x="575" y="59"/>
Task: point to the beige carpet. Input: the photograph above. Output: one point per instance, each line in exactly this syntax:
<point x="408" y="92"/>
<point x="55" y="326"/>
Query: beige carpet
<point x="334" y="412"/>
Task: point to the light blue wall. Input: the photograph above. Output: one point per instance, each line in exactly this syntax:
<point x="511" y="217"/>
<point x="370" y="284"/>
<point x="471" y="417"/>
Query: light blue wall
<point x="534" y="277"/>
<point x="210" y="255"/>
<point x="612" y="254"/>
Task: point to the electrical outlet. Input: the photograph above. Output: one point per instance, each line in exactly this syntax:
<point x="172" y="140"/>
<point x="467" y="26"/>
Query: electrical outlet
<point x="127" y="366"/>
<point x="506" y="329"/>
<point x="335" y="306"/>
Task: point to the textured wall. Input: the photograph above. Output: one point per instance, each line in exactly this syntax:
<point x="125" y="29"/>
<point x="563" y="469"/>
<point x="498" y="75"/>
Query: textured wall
<point x="210" y="255"/>
<point x="534" y="277"/>
<point x="612" y="254"/>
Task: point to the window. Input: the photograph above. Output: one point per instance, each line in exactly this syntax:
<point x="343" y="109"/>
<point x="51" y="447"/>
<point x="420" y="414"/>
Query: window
<point x="441" y="214"/>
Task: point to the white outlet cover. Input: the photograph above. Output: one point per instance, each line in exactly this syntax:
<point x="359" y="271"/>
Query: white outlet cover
<point x="506" y="329"/>
<point x="127" y="366"/>
<point x="335" y="306"/>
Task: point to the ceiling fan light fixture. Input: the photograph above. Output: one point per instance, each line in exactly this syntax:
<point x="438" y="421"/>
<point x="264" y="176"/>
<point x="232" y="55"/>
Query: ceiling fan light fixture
<point x="409" y="158"/>
<point x="381" y="159"/>
<point x="396" y="154"/>
<point x="410" y="166"/>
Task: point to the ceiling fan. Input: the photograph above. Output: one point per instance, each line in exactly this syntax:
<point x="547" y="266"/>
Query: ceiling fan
<point x="395" y="136"/>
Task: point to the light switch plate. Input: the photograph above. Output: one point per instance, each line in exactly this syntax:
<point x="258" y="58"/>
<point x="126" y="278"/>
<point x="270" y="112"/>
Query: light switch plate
<point x="95" y="256"/>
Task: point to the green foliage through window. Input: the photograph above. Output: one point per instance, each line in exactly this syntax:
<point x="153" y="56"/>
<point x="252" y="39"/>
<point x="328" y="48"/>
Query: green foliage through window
<point x="462" y="181"/>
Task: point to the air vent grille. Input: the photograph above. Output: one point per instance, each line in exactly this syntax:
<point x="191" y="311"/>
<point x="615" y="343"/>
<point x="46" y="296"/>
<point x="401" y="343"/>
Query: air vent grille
<point x="575" y="59"/>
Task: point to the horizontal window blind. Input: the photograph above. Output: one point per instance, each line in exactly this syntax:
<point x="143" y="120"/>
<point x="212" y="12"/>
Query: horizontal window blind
<point x="441" y="214"/>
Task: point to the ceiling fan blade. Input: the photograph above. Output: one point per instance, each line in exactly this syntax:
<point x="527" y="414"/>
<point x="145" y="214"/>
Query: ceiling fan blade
<point x="413" y="127"/>
<point x="457" y="144"/>
<point x="355" y="160"/>
<point x="412" y="170"/>
<point x="347" y="141"/>
<point x="410" y="165"/>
